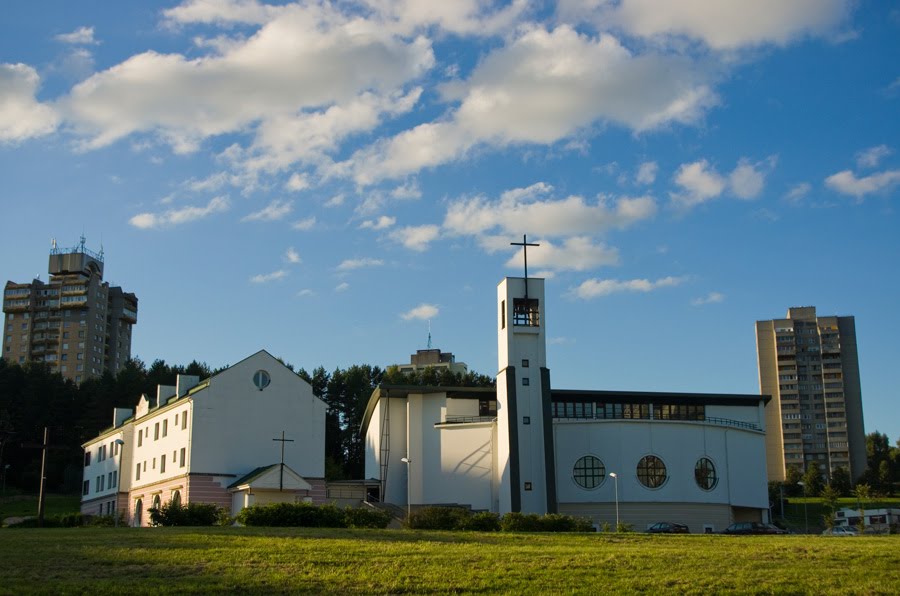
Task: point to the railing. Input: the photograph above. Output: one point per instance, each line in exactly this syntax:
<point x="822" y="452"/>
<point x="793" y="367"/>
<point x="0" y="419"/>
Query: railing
<point x="707" y="420"/>
<point x="467" y="419"/>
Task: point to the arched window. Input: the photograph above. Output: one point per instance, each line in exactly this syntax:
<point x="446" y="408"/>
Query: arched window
<point x="651" y="471"/>
<point x="138" y="512"/>
<point x="705" y="474"/>
<point x="176" y="498"/>
<point x="589" y="472"/>
<point x="156" y="502"/>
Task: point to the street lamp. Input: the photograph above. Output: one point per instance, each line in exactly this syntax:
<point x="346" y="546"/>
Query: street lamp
<point x="805" y="507"/>
<point x="119" y="444"/>
<point x="615" y="477"/>
<point x="408" y="461"/>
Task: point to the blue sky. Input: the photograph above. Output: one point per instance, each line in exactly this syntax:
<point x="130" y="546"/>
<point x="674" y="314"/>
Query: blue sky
<point x="321" y="180"/>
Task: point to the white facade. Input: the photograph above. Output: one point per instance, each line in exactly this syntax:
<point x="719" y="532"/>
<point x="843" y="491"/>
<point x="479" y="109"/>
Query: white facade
<point x="193" y="440"/>
<point x="698" y="459"/>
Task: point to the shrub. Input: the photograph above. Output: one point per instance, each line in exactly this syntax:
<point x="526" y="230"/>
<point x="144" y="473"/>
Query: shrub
<point x="438" y="518"/>
<point x="520" y="522"/>
<point x="192" y="514"/>
<point x="623" y="527"/>
<point x="483" y="521"/>
<point x="366" y="517"/>
<point x="551" y="522"/>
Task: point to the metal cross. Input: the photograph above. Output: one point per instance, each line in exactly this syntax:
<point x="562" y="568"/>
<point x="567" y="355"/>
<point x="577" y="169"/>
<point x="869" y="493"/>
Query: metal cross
<point x="281" y="478"/>
<point x="524" y="244"/>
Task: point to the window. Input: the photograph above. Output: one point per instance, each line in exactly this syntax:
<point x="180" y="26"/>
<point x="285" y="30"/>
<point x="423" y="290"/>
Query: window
<point x="87" y="458"/>
<point x="524" y="363"/>
<point x="115" y="479"/>
<point x="651" y="471"/>
<point x="261" y="379"/>
<point x="181" y="458"/>
<point x="156" y="432"/>
<point x="137" y="472"/>
<point x="525" y="382"/>
<point x="526" y="312"/>
<point x="589" y="472"/>
<point x="176" y="420"/>
<point x="162" y="464"/>
<point x="176" y="498"/>
<point x="109" y="480"/>
<point x="140" y="438"/>
<point x="183" y="420"/>
<point x="503" y="314"/>
<point x="705" y="474"/>
<point x="165" y="427"/>
<point x="86" y="488"/>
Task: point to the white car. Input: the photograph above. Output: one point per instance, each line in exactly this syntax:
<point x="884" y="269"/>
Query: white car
<point x="841" y="531"/>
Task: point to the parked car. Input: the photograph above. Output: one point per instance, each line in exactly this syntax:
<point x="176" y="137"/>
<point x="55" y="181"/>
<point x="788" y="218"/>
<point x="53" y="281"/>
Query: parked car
<point x="841" y="531"/>
<point x="744" y="528"/>
<point x="668" y="528"/>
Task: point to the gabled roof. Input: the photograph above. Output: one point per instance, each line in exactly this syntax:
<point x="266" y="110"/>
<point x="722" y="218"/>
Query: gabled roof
<point x="269" y="477"/>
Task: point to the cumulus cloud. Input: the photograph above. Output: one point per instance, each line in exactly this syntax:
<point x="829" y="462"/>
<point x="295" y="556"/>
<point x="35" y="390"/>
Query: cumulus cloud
<point x="422" y="312"/>
<point x="335" y="201"/>
<point x="274" y="211"/>
<point x="594" y="288"/>
<point x="871" y="157"/>
<point x="249" y="12"/>
<point x="407" y="191"/>
<point x="305" y="224"/>
<point x="22" y="116"/>
<point x="305" y="292"/>
<point x="540" y="88"/>
<point x="721" y="25"/>
<point x="303" y="61"/>
<point x="292" y="256"/>
<point x="416" y="237"/>
<point x="382" y="223"/>
<point x="351" y="264"/>
<point x="711" y="298"/>
<point x="342" y="287"/>
<point x="700" y="182"/>
<point x="646" y="173"/>
<point x="264" y="278"/>
<point x="531" y="209"/>
<point x="297" y="182"/>
<point x="578" y="253"/>
<point x="848" y="183"/>
<point x="796" y="193"/>
<point x="81" y="36"/>
<point x="183" y="215"/>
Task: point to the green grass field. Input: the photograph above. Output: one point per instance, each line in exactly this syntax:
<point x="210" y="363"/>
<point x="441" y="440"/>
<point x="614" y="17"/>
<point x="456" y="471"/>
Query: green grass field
<point x="259" y="560"/>
<point x="14" y="504"/>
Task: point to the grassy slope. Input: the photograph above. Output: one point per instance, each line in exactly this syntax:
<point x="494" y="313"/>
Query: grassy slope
<point x="19" y="505"/>
<point x="257" y="560"/>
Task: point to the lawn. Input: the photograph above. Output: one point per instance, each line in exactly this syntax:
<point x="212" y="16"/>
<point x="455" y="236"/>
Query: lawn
<point x="261" y="560"/>
<point x="14" y="504"/>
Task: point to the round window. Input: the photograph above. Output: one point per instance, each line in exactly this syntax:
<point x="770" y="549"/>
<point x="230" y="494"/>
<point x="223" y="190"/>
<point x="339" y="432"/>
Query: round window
<point x="261" y="379"/>
<point x="651" y="471"/>
<point x="705" y="474"/>
<point x="589" y="472"/>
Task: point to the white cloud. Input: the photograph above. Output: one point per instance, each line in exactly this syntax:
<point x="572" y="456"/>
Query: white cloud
<point x="422" y="312"/>
<point x="304" y="225"/>
<point x="575" y="254"/>
<point x="22" y="116"/>
<point x="700" y="182"/>
<point x="305" y="292"/>
<point x="407" y="191"/>
<point x="721" y="25"/>
<point x="847" y="183"/>
<point x="646" y="173"/>
<point x="594" y="288"/>
<point x="342" y="287"/>
<point x="335" y="201"/>
<point x="381" y="223"/>
<point x="711" y="298"/>
<point x="297" y="182"/>
<point x="351" y="264"/>
<point x="527" y="209"/>
<point x="304" y="61"/>
<point x="174" y="217"/>
<point x="797" y="192"/>
<point x="274" y="211"/>
<point x="540" y="88"/>
<point x="292" y="256"/>
<point x="264" y="278"/>
<point x="416" y="237"/>
<point x="871" y="157"/>
<point x="81" y="36"/>
<point x="221" y="12"/>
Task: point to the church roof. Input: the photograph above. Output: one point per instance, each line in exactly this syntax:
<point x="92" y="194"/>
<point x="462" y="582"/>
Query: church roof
<point x="264" y="478"/>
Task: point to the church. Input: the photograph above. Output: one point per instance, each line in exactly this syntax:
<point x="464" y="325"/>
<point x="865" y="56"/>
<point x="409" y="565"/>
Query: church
<point x="634" y="457"/>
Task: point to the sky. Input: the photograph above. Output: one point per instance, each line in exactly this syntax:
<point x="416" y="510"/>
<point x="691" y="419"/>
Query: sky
<point x="327" y="181"/>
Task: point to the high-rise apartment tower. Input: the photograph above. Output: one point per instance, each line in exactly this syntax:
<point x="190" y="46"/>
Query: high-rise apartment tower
<point x="809" y="365"/>
<point x="76" y="322"/>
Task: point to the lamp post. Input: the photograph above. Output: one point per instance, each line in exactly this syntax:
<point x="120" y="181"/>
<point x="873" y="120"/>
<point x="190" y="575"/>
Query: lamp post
<point x="615" y="477"/>
<point x="408" y="461"/>
<point x="805" y="507"/>
<point x="119" y="445"/>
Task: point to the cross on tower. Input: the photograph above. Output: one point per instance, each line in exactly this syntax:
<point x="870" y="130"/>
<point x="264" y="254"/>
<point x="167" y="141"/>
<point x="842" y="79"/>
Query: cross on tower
<point x="281" y="477"/>
<point x="524" y="244"/>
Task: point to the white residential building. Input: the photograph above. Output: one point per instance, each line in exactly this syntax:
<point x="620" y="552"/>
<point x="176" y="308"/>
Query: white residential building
<point x="200" y="440"/>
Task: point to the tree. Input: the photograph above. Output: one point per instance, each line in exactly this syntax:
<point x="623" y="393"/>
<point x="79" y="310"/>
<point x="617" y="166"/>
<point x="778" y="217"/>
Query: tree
<point x="862" y="494"/>
<point x="830" y="498"/>
<point x="792" y="476"/>
<point x="840" y="481"/>
<point x="812" y="481"/>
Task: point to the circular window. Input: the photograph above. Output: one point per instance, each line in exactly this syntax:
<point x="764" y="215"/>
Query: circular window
<point x="651" y="471"/>
<point x="589" y="472"/>
<point x="705" y="474"/>
<point x="261" y="379"/>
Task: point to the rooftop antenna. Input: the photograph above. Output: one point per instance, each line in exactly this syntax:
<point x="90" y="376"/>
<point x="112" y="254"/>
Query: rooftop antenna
<point x="429" y="334"/>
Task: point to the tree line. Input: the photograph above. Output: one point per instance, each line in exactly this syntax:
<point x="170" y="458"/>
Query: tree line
<point x="32" y="398"/>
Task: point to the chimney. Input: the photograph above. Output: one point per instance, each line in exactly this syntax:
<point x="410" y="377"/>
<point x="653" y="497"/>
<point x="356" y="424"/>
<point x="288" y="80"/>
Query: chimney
<point x="120" y="415"/>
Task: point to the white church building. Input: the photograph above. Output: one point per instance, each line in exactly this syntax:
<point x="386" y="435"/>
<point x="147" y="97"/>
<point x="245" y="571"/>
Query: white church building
<point x="697" y="459"/>
<point x="251" y="434"/>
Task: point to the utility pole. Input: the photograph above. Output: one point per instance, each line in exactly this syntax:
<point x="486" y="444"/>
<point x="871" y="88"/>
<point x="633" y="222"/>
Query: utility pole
<point x="44" y="447"/>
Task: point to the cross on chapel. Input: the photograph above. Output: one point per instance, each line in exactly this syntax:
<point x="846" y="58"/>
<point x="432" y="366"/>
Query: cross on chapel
<point x="524" y="244"/>
<point x="281" y="475"/>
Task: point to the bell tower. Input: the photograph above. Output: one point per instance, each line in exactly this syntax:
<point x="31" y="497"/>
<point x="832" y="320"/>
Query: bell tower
<point x="526" y="474"/>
